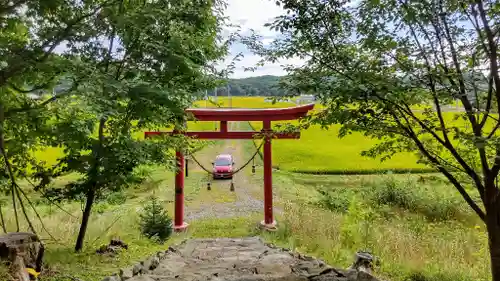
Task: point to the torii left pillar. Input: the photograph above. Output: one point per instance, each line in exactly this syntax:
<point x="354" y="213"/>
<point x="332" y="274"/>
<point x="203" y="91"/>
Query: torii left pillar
<point x="179" y="224"/>
<point x="268" y="222"/>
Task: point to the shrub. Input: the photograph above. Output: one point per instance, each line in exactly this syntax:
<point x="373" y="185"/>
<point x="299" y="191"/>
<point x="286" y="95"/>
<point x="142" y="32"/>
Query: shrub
<point x="100" y="207"/>
<point x="116" y="198"/>
<point x="155" y="222"/>
<point x="336" y="201"/>
<point x="403" y="194"/>
<point x="395" y="193"/>
<point x="421" y="276"/>
<point x="140" y="174"/>
<point x="356" y="225"/>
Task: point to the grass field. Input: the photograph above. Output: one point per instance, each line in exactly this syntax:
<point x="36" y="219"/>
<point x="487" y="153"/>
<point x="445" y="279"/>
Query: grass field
<point x="321" y="151"/>
<point x="242" y="102"/>
<point x="51" y="154"/>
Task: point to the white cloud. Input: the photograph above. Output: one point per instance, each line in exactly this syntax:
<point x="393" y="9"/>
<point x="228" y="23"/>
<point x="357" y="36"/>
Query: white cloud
<point x="253" y="14"/>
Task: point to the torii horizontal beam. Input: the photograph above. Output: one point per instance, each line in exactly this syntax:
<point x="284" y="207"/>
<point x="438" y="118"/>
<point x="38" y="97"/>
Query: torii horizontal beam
<point x="232" y="135"/>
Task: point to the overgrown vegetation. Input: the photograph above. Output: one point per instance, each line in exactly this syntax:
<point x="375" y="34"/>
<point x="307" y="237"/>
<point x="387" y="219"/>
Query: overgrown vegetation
<point x="416" y="234"/>
<point x="407" y="243"/>
<point x="84" y="79"/>
<point x="395" y="194"/>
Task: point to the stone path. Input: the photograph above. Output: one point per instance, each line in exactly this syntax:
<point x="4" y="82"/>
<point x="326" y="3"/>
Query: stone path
<point x="225" y="259"/>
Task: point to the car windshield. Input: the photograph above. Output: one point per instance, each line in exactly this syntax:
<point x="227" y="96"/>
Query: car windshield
<point x="222" y="162"/>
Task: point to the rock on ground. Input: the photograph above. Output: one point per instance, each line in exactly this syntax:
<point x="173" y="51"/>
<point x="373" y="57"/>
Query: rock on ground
<point x="244" y="259"/>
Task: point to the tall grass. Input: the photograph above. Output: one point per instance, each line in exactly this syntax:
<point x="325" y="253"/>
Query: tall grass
<point x="406" y="249"/>
<point x="419" y="230"/>
<point x="404" y="195"/>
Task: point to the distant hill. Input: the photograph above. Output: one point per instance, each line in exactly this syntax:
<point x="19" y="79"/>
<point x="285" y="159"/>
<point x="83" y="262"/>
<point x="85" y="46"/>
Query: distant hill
<point x="263" y="86"/>
<point x="252" y="86"/>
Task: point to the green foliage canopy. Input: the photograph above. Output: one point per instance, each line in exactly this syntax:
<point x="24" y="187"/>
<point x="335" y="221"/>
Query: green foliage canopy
<point x="161" y="58"/>
<point x="87" y="76"/>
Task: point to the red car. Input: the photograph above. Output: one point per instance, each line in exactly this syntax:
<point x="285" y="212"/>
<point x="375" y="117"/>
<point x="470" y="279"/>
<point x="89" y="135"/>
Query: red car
<point x="223" y="167"/>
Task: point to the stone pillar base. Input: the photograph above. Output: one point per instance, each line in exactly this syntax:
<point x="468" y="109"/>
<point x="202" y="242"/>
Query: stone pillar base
<point x="268" y="226"/>
<point x="181" y="228"/>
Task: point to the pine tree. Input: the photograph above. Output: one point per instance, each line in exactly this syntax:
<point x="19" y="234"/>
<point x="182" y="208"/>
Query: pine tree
<point x="155" y="222"/>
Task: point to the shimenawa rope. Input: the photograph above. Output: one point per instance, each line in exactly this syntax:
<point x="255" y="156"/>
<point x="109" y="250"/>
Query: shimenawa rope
<point x="237" y="170"/>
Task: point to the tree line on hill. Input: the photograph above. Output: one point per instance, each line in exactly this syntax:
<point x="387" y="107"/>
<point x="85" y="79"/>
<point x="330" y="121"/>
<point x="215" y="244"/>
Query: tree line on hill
<point x="268" y="86"/>
<point x="264" y="86"/>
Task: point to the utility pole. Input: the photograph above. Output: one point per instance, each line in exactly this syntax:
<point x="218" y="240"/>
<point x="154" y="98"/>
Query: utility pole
<point x="229" y="96"/>
<point x="215" y="103"/>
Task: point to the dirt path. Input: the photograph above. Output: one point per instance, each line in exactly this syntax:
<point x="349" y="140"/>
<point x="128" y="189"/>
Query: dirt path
<point x="220" y="202"/>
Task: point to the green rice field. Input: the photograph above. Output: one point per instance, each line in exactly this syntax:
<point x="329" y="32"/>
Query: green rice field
<point x="317" y="151"/>
<point x="322" y="151"/>
<point x="51" y="154"/>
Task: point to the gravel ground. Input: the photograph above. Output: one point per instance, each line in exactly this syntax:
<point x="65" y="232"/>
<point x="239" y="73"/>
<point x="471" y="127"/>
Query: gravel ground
<point x="245" y="202"/>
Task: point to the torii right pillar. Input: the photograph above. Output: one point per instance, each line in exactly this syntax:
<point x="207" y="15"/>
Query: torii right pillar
<point x="268" y="222"/>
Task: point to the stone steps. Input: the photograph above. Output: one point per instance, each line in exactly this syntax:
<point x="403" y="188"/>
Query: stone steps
<point x="225" y="259"/>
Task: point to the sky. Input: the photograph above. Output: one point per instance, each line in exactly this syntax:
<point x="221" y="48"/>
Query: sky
<point x="253" y="14"/>
<point x="248" y="15"/>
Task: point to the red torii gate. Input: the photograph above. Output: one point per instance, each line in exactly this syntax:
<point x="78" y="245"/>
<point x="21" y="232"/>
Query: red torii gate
<point x="224" y="115"/>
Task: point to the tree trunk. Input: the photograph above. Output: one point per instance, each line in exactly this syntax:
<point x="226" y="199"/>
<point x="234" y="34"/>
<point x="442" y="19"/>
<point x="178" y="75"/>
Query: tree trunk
<point x="493" y="226"/>
<point x="85" y="219"/>
<point x="92" y="188"/>
<point x="492" y="221"/>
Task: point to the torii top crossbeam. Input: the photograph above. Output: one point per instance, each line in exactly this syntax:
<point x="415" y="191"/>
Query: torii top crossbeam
<point x="266" y="115"/>
<point x="250" y="114"/>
